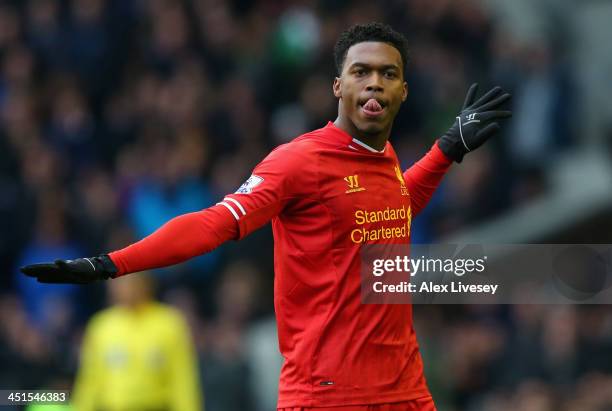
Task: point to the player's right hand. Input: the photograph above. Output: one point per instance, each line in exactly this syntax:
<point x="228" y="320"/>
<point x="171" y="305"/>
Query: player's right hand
<point x="78" y="271"/>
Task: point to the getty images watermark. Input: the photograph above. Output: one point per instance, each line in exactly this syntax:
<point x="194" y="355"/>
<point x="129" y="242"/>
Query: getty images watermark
<point x="422" y="265"/>
<point x="487" y="274"/>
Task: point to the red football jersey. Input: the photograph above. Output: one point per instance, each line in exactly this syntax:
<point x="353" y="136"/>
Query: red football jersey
<point x="323" y="192"/>
<point x="317" y="190"/>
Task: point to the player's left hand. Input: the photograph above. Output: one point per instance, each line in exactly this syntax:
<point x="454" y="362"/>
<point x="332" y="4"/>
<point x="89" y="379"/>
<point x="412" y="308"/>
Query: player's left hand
<point x="475" y="124"/>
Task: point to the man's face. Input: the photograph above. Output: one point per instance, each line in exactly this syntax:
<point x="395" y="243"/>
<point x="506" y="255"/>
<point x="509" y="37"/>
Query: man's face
<point x="371" y="87"/>
<point x="131" y="290"/>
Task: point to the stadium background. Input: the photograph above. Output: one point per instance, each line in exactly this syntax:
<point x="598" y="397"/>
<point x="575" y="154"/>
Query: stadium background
<point x="116" y="115"/>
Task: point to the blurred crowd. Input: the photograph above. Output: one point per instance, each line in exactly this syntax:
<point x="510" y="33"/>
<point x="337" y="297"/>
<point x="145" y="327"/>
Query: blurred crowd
<point x="117" y="115"/>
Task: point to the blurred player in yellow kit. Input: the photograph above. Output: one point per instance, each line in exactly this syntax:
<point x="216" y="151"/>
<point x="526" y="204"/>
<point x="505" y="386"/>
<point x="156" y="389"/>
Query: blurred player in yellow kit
<point x="137" y="355"/>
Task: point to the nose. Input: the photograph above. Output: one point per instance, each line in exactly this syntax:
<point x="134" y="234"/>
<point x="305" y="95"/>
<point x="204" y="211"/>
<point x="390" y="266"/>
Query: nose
<point x="375" y="83"/>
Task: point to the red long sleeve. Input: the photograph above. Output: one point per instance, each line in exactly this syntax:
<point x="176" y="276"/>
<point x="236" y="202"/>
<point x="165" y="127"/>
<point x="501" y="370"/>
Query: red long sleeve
<point x="180" y="239"/>
<point x="424" y="177"/>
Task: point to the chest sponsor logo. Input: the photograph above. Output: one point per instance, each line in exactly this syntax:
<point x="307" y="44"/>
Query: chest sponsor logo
<point x="250" y="184"/>
<point x="353" y="184"/>
<point x="382" y="224"/>
<point x="400" y="177"/>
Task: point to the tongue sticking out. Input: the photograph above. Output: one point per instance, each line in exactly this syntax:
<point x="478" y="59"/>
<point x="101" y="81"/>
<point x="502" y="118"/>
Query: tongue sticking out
<point x="372" y="105"/>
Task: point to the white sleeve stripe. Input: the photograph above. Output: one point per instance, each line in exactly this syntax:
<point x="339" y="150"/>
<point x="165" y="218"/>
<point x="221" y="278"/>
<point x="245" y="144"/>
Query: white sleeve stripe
<point x="237" y="203"/>
<point x="229" y="207"/>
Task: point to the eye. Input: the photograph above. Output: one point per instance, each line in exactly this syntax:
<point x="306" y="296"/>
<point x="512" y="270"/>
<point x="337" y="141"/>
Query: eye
<point x="390" y="74"/>
<point x="360" y="72"/>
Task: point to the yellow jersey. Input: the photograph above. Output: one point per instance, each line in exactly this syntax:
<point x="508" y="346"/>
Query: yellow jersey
<point x="137" y="359"/>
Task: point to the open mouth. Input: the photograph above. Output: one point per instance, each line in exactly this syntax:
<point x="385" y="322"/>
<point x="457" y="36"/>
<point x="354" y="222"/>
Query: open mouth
<point x="372" y="107"/>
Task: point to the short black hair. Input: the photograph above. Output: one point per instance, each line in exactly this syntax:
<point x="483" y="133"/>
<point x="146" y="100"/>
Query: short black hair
<point x="374" y="31"/>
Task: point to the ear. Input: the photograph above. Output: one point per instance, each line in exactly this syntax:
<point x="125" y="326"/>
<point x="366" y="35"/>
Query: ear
<point x="405" y="92"/>
<point x="336" y="87"/>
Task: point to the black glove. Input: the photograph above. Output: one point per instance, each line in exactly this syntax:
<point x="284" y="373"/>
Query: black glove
<point x="79" y="271"/>
<point x="474" y="125"/>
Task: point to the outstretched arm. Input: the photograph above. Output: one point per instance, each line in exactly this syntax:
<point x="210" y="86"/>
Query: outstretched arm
<point x="180" y="239"/>
<point x="261" y="198"/>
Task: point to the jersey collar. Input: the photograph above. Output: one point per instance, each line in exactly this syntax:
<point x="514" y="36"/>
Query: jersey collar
<point x="353" y="143"/>
<point x="367" y="147"/>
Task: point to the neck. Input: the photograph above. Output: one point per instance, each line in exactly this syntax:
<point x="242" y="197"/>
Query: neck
<point x="376" y="140"/>
<point x="134" y="305"/>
